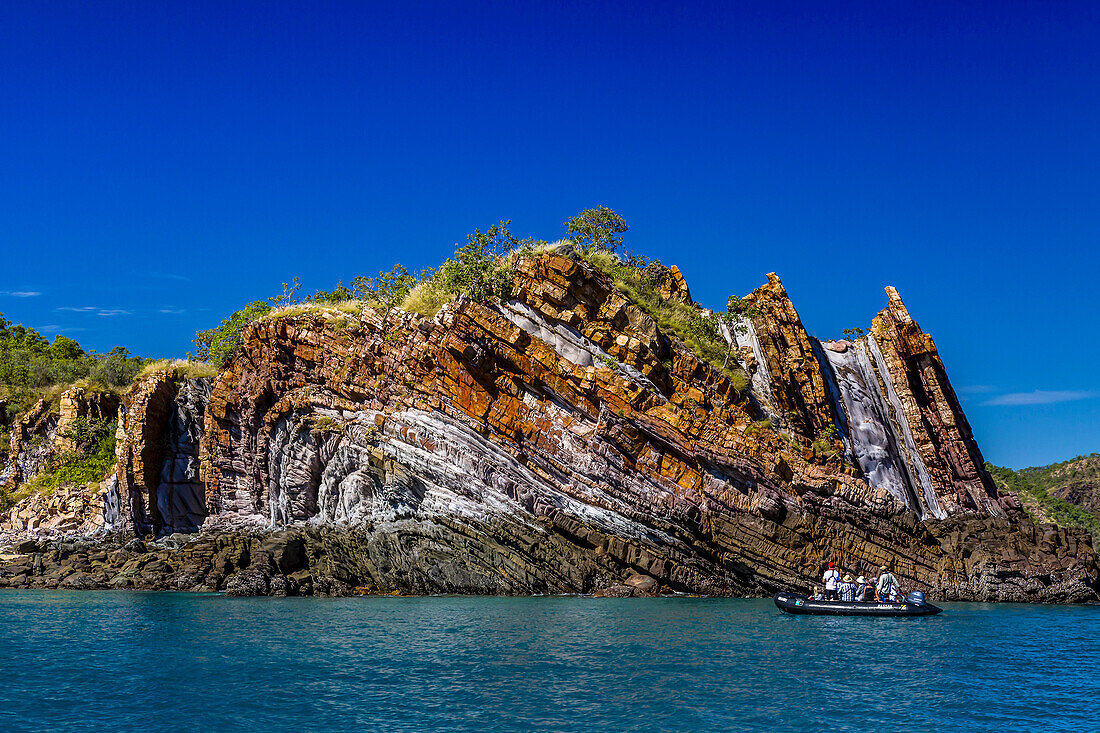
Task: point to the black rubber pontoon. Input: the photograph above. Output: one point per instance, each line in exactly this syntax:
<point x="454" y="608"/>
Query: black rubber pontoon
<point x="794" y="603"/>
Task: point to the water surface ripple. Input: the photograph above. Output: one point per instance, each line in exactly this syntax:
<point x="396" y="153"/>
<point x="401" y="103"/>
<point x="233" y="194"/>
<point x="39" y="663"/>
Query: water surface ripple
<point x="120" y="661"/>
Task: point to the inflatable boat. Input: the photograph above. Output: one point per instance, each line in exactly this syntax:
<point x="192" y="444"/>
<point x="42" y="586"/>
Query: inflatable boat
<point x="914" y="605"/>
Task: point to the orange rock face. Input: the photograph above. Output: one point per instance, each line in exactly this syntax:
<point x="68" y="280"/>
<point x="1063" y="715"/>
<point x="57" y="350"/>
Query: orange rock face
<point x="80" y="403"/>
<point x="560" y="441"/>
<point x="940" y="429"/>
<point x="798" y="385"/>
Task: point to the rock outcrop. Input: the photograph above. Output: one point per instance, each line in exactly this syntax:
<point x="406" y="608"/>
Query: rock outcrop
<point x="32" y="437"/>
<point x="559" y="441"/>
<point x="158" y="487"/>
<point x="941" y="432"/>
<point x="797" y="389"/>
<point x="66" y="509"/>
<point x="79" y="403"/>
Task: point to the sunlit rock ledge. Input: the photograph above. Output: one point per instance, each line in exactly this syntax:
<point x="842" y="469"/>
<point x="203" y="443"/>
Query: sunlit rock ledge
<point x="560" y="441"/>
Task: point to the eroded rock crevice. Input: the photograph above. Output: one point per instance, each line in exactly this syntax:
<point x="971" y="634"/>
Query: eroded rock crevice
<point x="561" y="441"/>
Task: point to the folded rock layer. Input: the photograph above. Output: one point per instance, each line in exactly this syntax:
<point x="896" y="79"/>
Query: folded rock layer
<point x="562" y="442"/>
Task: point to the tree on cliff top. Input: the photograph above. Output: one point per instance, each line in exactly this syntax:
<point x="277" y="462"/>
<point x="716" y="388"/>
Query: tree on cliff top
<point x="596" y="229"/>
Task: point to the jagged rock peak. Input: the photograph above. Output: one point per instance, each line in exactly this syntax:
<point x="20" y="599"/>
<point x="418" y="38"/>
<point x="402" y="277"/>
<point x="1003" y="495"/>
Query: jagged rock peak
<point x="563" y="441"/>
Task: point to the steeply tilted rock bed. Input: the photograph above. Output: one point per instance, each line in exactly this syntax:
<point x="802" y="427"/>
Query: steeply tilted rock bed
<point x="559" y="441"/>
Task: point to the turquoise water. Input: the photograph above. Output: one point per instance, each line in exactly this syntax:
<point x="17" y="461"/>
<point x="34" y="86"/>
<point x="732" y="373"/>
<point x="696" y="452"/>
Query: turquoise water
<point x="123" y="661"/>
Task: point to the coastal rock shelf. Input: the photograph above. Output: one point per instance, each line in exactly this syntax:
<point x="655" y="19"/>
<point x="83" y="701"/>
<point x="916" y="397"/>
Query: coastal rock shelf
<point x="558" y="442"/>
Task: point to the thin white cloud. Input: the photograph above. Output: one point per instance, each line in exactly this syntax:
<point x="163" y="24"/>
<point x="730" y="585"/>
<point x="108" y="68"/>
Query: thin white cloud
<point x="21" y="293"/>
<point x="1041" y="397"/>
<point x="173" y="311"/>
<point x="976" y="389"/>
<point x="95" y="309"/>
<point x="61" y="329"/>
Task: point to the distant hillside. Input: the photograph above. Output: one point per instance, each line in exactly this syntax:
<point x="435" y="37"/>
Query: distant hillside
<point x="1066" y="493"/>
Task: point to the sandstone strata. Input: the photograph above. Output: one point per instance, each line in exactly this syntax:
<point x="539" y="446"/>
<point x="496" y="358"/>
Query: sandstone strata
<point x="32" y="438"/>
<point x="941" y="431"/>
<point x="79" y="403"/>
<point x="161" y="424"/>
<point x="798" y="386"/>
<point x="560" y="441"/>
<point x="66" y="509"/>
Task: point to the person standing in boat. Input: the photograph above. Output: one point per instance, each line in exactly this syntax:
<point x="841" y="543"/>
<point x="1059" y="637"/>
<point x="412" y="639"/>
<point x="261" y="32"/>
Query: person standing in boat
<point x="888" y="587"/>
<point x="831" y="580"/>
<point x="847" y="589"/>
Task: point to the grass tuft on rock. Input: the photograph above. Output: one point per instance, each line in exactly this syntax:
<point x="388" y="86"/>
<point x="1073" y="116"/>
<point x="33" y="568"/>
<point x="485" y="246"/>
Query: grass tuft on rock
<point x="697" y="328"/>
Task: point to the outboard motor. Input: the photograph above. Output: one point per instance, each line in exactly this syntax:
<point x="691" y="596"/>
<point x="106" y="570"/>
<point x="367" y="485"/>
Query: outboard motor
<point x="916" y="598"/>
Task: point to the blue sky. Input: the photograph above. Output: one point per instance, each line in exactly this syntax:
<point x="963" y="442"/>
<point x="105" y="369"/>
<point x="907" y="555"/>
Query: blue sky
<point x="164" y="163"/>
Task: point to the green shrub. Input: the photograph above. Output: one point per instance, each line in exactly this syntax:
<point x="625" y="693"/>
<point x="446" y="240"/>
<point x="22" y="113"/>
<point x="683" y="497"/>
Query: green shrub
<point x="596" y="229"/>
<point x="758" y="427"/>
<point x="387" y="290"/>
<point x="479" y="269"/>
<point x="1036" y="484"/>
<point x="91" y="461"/>
<point x="326" y="424"/>
<point x="608" y="361"/>
<point x="218" y="345"/>
<point x="698" y="329"/>
<point x="31" y="367"/>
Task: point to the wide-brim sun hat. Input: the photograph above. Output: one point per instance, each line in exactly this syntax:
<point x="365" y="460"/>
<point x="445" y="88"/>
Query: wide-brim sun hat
<point x="847" y="578"/>
<point x="861" y="580"/>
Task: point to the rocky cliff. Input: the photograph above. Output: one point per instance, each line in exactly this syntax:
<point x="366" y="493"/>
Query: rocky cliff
<point x="557" y="441"/>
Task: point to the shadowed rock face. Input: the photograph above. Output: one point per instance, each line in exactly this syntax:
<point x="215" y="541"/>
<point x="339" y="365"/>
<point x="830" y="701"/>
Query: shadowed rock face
<point x="157" y="471"/>
<point x="562" y="442"/>
<point x="32" y="438"/>
<point x="944" y="441"/>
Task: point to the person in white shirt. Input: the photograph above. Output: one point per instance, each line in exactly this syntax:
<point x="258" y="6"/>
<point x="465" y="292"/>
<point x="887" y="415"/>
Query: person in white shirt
<point x="831" y="580"/>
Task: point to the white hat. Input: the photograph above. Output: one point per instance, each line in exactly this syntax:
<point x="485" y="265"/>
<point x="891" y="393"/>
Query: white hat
<point x="861" y="580"/>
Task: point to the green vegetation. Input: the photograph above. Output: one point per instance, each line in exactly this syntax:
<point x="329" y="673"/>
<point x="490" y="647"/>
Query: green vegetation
<point x="218" y="345"/>
<point x="853" y="334"/>
<point x="599" y="229"/>
<point x="1035" y="487"/>
<point x="482" y="271"/>
<point x="389" y="289"/>
<point x="758" y="427"/>
<point x="90" y="461"/>
<point x="608" y="361"/>
<point x="638" y="280"/>
<point x="326" y="424"/>
<point x="31" y="367"/>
